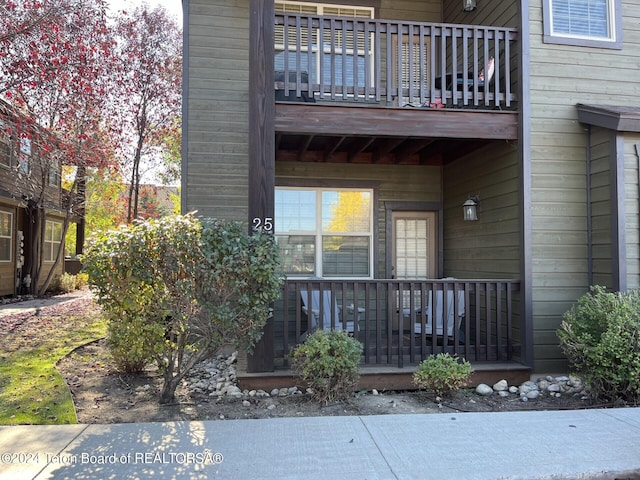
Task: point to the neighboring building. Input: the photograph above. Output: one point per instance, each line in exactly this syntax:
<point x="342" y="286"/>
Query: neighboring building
<point x="291" y="119"/>
<point x="25" y="174"/>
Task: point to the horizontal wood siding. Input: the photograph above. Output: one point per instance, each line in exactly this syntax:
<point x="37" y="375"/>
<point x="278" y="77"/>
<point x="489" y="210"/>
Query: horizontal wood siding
<point x="560" y="77"/>
<point x="489" y="12"/>
<point x="490" y="246"/>
<point x="632" y="209"/>
<point x="414" y="10"/>
<point x="601" y="241"/>
<point x="407" y="183"/>
<point x="217" y="158"/>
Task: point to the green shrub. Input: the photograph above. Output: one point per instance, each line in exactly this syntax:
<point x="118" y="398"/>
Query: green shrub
<point x="328" y="363"/>
<point x="442" y="374"/>
<point x="177" y="288"/>
<point x="601" y="338"/>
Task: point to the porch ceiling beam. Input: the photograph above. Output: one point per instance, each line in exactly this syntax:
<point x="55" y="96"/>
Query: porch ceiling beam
<point x="372" y="121"/>
<point x="411" y="148"/>
<point x="328" y="153"/>
<point x="304" y="146"/>
<point x="385" y="147"/>
<point x="360" y="146"/>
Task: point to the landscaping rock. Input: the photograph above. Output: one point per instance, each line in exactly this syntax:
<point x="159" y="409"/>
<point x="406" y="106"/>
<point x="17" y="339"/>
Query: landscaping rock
<point x="484" y="389"/>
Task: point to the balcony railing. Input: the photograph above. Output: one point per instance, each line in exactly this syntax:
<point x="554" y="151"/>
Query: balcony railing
<point x="394" y="63"/>
<point x="402" y="322"/>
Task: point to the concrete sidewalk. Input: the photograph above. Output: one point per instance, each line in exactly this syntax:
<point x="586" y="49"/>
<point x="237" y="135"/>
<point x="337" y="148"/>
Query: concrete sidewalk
<point x="584" y="444"/>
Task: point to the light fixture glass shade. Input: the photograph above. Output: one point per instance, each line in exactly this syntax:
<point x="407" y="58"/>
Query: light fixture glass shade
<point x="469" y="210"/>
<point x="468" y="5"/>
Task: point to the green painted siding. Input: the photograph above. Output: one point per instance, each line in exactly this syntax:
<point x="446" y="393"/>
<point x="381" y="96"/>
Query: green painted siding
<point x="411" y="10"/>
<point x="489" y="247"/>
<point x="560" y="77"/>
<point x="217" y="159"/>
<point x="404" y="183"/>
<point x="632" y="209"/>
<point x="601" y="207"/>
<point x="489" y="12"/>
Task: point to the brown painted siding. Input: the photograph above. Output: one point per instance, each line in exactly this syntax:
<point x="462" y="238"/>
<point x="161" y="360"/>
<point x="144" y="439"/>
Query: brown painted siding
<point x="560" y="77"/>
<point x="632" y="209"/>
<point x="390" y="182"/>
<point x="217" y="158"/>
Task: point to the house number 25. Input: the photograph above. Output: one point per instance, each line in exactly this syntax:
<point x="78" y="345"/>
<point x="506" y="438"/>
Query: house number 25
<point x="263" y="224"/>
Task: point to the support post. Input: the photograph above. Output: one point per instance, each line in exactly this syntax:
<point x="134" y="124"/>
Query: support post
<point x="261" y="148"/>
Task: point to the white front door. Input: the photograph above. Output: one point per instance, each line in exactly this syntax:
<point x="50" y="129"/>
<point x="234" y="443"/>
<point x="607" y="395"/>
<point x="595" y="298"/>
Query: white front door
<point x="414" y="245"/>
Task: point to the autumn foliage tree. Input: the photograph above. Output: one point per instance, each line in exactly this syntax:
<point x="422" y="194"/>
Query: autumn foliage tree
<point x="149" y="89"/>
<point x="55" y="59"/>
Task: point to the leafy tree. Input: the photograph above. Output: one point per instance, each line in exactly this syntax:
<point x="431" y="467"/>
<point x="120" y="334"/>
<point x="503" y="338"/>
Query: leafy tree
<point x="149" y="88"/>
<point x="55" y="56"/>
<point x="176" y="289"/>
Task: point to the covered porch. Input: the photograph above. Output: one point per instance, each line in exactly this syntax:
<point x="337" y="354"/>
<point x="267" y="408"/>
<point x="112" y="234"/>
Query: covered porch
<point x="410" y="123"/>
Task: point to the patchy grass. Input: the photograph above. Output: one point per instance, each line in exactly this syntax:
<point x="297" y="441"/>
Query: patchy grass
<point x="31" y="390"/>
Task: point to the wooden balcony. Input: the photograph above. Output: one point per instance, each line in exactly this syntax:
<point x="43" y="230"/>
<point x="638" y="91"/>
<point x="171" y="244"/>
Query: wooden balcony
<point x="394" y="320"/>
<point x="322" y="59"/>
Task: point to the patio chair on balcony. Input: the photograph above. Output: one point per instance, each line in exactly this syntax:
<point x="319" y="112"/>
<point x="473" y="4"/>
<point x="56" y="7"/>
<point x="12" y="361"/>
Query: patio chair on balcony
<point x="329" y="308"/>
<point x="455" y="313"/>
<point x="483" y="77"/>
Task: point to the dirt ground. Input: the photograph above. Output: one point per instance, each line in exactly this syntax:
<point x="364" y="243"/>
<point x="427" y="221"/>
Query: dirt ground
<point x="102" y="395"/>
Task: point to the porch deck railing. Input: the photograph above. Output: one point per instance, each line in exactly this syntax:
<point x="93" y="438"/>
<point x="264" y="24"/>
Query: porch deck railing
<point x="393" y="63"/>
<point x="403" y="322"/>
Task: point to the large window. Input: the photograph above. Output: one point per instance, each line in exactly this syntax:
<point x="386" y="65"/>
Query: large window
<point x="6" y="236"/>
<point x="595" y="23"/>
<point x="325" y="232"/>
<point x="52" y="240"/>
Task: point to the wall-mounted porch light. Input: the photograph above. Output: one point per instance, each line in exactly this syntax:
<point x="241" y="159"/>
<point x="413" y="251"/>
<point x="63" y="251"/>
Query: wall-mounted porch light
<point x="469" y="209"/>
<point x="468" y="5"/>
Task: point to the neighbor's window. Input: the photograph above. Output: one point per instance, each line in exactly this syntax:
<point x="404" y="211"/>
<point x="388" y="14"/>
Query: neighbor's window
<point x="593" y="23"/>
<point x="325" y="232"/>
<point x="6" y="236"/>
<point x="5" y="145"/>
<point x="54" y="174"/>
<point x="24" y="156"/>
<point x="52" y="239"/>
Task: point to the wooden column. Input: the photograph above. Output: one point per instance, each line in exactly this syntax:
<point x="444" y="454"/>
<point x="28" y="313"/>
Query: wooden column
<point x="261" y="147"/>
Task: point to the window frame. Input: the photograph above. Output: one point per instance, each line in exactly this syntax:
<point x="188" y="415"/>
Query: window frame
<point x="5" y="138"/>
<point x="51" y="241"/>
<point x="10" y="237"/>
<point x="319" y="233"/>
<point x="614" y="41"/>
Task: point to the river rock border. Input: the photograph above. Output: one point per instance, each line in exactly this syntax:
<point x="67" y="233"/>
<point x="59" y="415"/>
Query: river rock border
<point x="547" y="386"/>
<point x="217" y="379"/>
